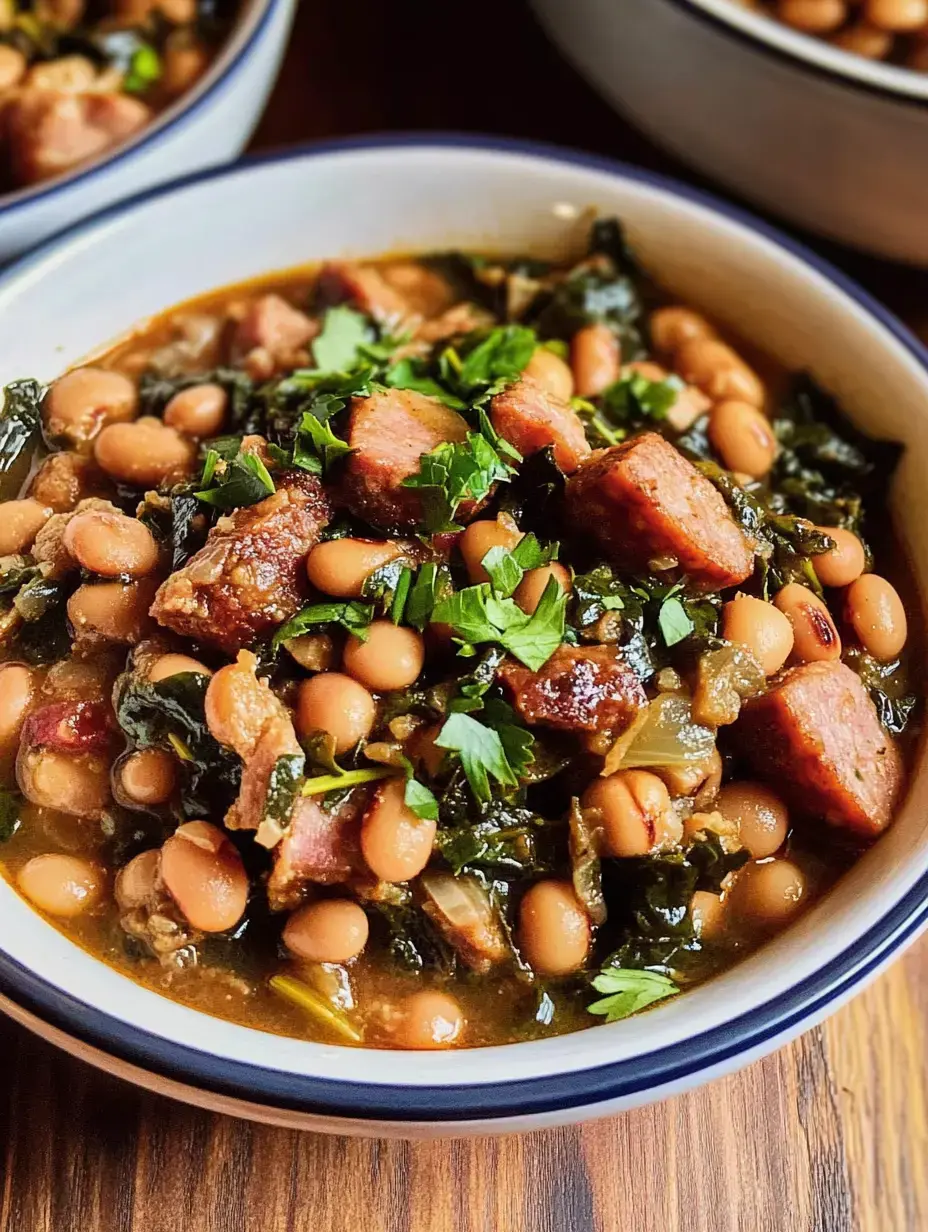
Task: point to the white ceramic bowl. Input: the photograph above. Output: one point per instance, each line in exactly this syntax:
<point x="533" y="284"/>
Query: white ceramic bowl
<point x="367" y="198"/>
<point x="826" y="139"/>
<point x="207" y="126"/>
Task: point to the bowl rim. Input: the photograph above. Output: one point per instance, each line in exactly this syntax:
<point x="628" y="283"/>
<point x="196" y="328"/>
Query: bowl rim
<point x="238" y="47"/>
<point x="903" y="86"/>
<point x="680" y="1063"/>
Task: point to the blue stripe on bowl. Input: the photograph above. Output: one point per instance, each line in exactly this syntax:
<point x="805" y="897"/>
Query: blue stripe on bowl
<point x="151" y="136"/>
<point x="682" y="1062"/>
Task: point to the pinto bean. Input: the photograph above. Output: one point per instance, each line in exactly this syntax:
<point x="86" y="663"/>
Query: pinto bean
<point x="204" y="874"/>
<point x="61" y="885"/>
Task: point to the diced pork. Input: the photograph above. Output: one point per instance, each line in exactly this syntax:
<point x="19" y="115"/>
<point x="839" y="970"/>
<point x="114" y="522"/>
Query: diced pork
<point x="245" y="716"/>
<point x="277" y="328"/>
<point x="49" y="131"/>
<point x="401" y="292"/>
<point x="322" y="846"/>
<point x="531" y="419"/>
<point x="64" y="478"/>
<point x="249" y="576"/>
<point x="580" y="689"/>
<point x="816" y="737"/>
<point x="644" y="502"/>
<point x="63" y="762"/>
<point x="389" y="432"/>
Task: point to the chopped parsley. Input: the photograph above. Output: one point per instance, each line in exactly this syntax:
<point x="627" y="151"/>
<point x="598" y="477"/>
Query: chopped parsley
<point x="628" y="991"/>
<point x="337" y="348"/>
<point x="230" y="482"/>
<point x="351" y="615"/>
<point x="478" y="615"/>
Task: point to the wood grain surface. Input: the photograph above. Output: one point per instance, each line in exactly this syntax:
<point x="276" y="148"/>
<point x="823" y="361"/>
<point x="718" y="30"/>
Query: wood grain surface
<point x="828" y="1135"/>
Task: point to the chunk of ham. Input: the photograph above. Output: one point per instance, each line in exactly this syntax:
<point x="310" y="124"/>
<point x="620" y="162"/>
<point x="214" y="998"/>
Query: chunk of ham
<point x="250" y="574"/>
<point x="50" y="131"/>
<point x="816" y="737"/>
<point x="243" y="714"/>
<point x="644" y="502"/>
<point x="389" y="432"/>
<point x="274" y="326"/>
<point x="531" y="419"/>
<point x="399" y="293"/>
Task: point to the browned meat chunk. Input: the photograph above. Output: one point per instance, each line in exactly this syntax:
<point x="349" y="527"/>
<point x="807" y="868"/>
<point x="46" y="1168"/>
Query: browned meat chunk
<point x="277" y="328"/>
<point x="243" y="714"/>
<point x="644" y="501"/>
<point x="461" y="910"/>
<point x="64" y="758"/>
<point x="580" y="688"/>
<point x="49" y="131"/>
<point x="402" y="291"/>
<point x="249" y="576"/>
<point x="322" y="846"/>
<point x="531" y="419"/>
<point x="64" y="478"/>
<point x="389" y="433"/>
<point x="817" y="738"/>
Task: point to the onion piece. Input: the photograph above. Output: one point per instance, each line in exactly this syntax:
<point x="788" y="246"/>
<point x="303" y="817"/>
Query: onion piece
<point x="724" y="678"/>
<point x="460" y="908"/>
<point x="585" y="841"/>
<point x="312" y="1003"/>
<point x="664" y="734"/>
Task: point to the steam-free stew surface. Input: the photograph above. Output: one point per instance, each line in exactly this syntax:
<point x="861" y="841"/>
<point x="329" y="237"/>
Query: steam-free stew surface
<point x="439" y="652"/>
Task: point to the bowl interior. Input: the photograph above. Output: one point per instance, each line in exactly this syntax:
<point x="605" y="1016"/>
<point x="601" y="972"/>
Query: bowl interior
<point x="75" y="294"/>
<point x="816" y="51"/>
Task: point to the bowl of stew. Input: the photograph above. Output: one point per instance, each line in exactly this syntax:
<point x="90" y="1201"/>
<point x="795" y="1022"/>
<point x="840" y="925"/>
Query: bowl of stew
<point x="101" y="101"/>
<point x="815" y="112"/>
<point x="461" y="652"/>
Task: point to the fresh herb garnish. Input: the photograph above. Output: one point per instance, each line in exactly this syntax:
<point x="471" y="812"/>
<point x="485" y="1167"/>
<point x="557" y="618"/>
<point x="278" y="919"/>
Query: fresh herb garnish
<point x="627" y="992"/>
<point x="477" y="615"/>
<point x="458" y="472"/>
<point x="316" y="446"/>
<point x="145" y="69"/>
<point x="481" y="753"/>
<point x="240" y="480"/>
<point x="675" y="624"/>
<point x="351" y="615"/>
<point x="413" y="374"/>
<point x="337" y="346"/>
<point x="507" y="566"/>
<point x="11" y="803"/>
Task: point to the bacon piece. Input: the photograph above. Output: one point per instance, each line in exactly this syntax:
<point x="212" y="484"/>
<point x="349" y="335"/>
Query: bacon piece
<point x="580" y="688"/>
<point x="817" y="738"/>
<point x="249" y="576"/>
<point x="644" y="501"/>
<point x="70" y="727"/>
<point x="322" y="846"/>
<point x="531" y="419"/>
<point x="277" y="328"/>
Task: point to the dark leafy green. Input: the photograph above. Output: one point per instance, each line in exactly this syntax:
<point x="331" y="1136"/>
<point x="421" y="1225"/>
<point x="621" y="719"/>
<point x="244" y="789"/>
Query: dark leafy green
<point x="20" y="422"/>
<point x="11" y="803"/>
<point x="351" y="615"/>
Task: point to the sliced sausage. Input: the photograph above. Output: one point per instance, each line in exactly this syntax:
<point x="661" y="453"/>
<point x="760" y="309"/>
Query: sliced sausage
<point x="644" y="501"/>
<point x="531" y="419"/>
<point x="580" y="688"/>
<point x="322" y="846"/>
<point x="275" y="326"/>
<point x="816" y="737"/>
<point x="389" y="432"/>
<point x="249" y="576"/>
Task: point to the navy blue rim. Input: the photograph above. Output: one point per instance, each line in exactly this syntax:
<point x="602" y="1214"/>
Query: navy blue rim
<point x="153" y="134"/>
<point x="797" y="62"/>
<point x="681" y="1063"/>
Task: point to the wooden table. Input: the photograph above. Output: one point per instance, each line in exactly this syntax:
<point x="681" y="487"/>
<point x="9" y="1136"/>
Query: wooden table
<point x="828" y="1135"/>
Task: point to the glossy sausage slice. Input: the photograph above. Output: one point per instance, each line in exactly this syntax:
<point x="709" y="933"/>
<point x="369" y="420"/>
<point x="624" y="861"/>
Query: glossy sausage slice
<point x="531" y="419"/>
<point x="249" y="576"/>
<point x="580" y="688"/>
<point x="389" y="433"/>
<point x="816" y="737"/>
<point x="644" y="501"/>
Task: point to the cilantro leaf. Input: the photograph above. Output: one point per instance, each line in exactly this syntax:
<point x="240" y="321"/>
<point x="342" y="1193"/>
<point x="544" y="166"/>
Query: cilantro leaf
<point x="411" y="374"/>
<point x="337" y="347"/>
<point x="351" y="615"/>
<point x="455" y="472"/>
<point x="420" y="800"/>
<point x="507" y="566"/>
<point x="634" y="397"/>
<point x="481" y="753"/>
<point x="628" y="991"/>
<point x="517" y="741"/>
<point x="316" y="446"/>
<point x="476" y="615"/>
<point x="675" y="624"/>
<point x="502" y="355"/>
<point x="243" y="480"/>
<point x="144" y="70"/>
